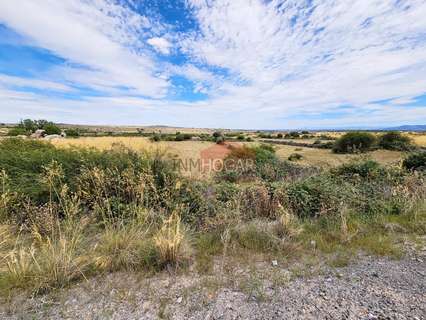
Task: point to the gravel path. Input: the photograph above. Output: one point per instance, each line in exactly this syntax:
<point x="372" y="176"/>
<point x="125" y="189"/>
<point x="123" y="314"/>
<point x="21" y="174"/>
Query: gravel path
<point x="371" y="289"/>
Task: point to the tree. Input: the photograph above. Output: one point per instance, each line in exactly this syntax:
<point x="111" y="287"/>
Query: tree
<point x="28" y="124"/>
<point x="51" y="128"/>
<point x="33" y="125"/>
<point x="217" y="134"/>
<point x="394" y="140"/>
<point x="353" y="142"/>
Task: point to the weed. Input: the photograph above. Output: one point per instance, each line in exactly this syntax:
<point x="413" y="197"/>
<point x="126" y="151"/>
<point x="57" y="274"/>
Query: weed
<point x="172" y="241"/>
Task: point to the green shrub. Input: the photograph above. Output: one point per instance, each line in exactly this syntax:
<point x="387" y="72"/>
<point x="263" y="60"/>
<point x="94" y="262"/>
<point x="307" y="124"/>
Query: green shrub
<point x="156" y="137"/>
<point x="315" y="196"/>
<point x="72" y="133"/>
<point x="179" y="137"/>
<point x="217" y="134"/>
<point x="394" y="140"/>
<point x="265" y="135"/>
<point x="415" y="161"/>
<point x="266" y="165"/>
<point x="362" y="169"/>
<point x="241" y="137"/>
<point x="294" y="134"/>
<point x="17" y="132"/>
<point x="220" y="140"/>
<point x="51" y="128"/>
<point x="353" y="142"/>
<point x="24" y="161"/>
<point x="256" y="235"/>
<point x="295" y="157"/>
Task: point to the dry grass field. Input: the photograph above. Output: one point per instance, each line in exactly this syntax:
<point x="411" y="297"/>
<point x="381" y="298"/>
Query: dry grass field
<point x="191" y="150"/>
<point x="105" y="143"/>
<point x="326" y="158"/>
<point x="419" y="138"/>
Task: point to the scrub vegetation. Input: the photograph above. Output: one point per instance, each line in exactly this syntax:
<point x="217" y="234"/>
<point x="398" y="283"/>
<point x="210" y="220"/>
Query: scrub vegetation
<point x="67" y="214"/>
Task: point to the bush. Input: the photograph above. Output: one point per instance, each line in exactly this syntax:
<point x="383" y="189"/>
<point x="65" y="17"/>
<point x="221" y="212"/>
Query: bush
<point x="314" y="196"/>
<point x="362" y="169"/>
<point x="72" y="133"/>
<point x="265" y="165"/>
<point x="353" y="142"/>
<point x="279" y="135"/>
<point x="156" y="137"/>
<point x="32" y="125"/>
<point x="394" y="140"/>
<point x="17" y="132"/>
<point x="217" y="134"/>
<point x="51" y="128"/>
<point x="220" y="140"/>
<point x="256" y="202"/>
<point x="179" y="137"/>
<point x="24" y="161"/>
<point x="415" y="161"/>
<point x="241" y="137"/>
<point x="265" y="136"/>
<point x="295" y="157"/>
<point x="172" y="242"/>
<point x="243" y="152"/>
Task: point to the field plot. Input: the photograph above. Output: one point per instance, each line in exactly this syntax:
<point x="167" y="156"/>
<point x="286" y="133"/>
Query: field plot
<point x="326" y="158"/>
<point x="192" y="149"/>
<point x="419" y="138"/>
<point x="104" y="143"/>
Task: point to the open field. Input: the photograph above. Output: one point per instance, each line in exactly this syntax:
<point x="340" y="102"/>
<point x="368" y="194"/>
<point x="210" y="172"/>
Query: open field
<point x="192" y="149"/>
<point x="326" y="158"/>
<point x="419" y="138"/>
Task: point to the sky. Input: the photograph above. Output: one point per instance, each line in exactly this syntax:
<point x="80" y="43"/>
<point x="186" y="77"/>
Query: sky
<point x="249" y="64"/>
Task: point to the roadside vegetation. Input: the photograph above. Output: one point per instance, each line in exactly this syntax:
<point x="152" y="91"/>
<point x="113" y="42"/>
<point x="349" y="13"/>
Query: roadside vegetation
<point x="69" y="214"/>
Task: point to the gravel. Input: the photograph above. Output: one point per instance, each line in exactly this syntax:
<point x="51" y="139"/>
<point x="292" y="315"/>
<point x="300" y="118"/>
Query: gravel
<point x="373" y="288"/>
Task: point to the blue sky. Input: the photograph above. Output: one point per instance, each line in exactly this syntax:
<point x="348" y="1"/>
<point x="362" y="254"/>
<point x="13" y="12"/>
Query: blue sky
<point x="261" y="64"/>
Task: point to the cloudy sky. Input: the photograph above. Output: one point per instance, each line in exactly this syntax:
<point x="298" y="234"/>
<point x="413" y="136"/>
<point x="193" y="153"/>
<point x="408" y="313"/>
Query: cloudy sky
<point x="206" y="63"/>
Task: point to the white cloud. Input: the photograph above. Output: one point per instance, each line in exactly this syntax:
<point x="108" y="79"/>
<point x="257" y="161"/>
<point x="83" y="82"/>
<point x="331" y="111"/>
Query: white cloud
<point x="295" y="59"/>
<point x="10" y="81"/>
<point x="95" y="34"/>
<point x="160" y="44"/>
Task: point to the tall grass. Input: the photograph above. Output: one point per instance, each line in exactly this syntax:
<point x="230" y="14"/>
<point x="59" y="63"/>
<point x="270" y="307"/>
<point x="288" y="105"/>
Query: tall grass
<point x="46" y="262"/>
<point x="67" y="214"/>
<point x="172" y="241"/>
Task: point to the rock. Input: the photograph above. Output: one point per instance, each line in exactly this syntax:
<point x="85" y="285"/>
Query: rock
<point x="40" y="133"/>
<point x="179" y="300"/>
<point x="274" y="263"/>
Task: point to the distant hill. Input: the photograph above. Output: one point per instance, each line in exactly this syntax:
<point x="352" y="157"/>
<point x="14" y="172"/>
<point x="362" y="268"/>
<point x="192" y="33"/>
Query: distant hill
<point x="420" y="127"/>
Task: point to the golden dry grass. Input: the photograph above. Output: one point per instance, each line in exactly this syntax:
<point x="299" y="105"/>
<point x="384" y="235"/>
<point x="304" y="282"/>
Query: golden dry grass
<point x="326" y="158"/>
<point x="419" y="138"/>
<point x="191" y="150"/>
<point x="105" y="143"/>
